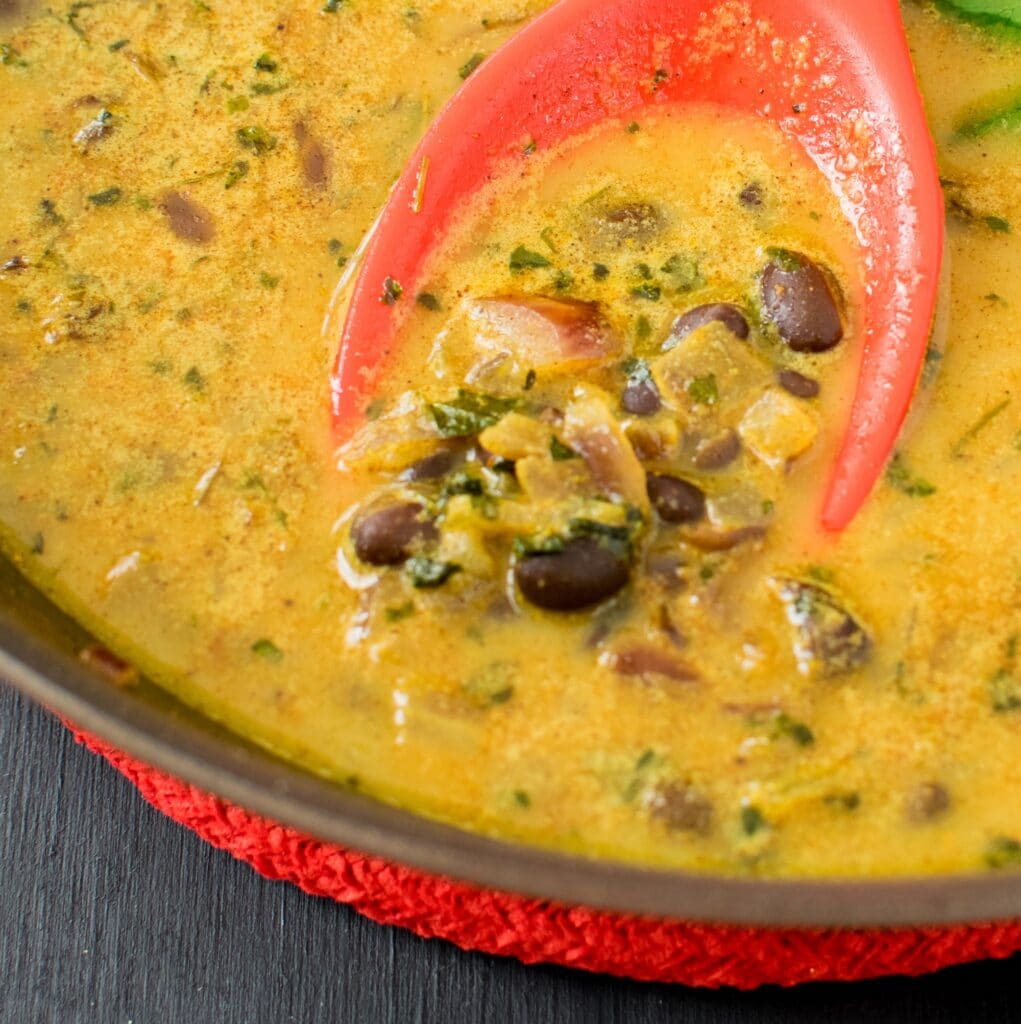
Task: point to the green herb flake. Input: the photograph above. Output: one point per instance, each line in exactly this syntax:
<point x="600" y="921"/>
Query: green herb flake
<point x="392" y="291"/>
<point x="560" y="452"/>
<point x="547" y="236"/>
<point x="563" y="281"/>
<point x="400" y="613"/>
<point x="194" y="379"/>
<point x="1003" y="852"/>
<point x="522" y="799"/>
<point x="600" y="271"/>
<point x="471" y="65"/>
<point x="264" y="62"/>
<point x="998" y="224"/>
<point x="648" y="292"/>
<point x="704" y="390"/>
<point x="978" y="426"/>
<point x="470" y="413"/>
<point x="900" y="478"/>
<point x="530" y="378"/>
<point x="237" y="104"/>
<point x="634" y="128"/>
<point x="428" y="574"/>
<point x="786" y="260"/>
<point x="643" y="328"/>
<point x="331" y="6"/>
<point x="1004" y="693"/>
<point x="269" y="281"/>
<point x="108" y="197"/>
<point x="236" y="173"/>
<point x="684" y="272"/>
<point x="118" y="44"/>
<point x="752" y="820"/>
<point x="428" y="301"/>
<point x="48" y="212"/>
<point x="255" y="138"/>
<point x="525" y="259"/>
<point x="491" y="686"/>
<point x="268" y="650"/>
<point x="788" y="728"/>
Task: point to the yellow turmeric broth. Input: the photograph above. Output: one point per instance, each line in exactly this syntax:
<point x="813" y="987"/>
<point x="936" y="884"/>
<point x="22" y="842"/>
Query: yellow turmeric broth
<point x="563" y="585"/>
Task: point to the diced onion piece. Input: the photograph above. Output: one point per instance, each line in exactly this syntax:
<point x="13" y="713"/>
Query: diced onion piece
<point x="778" y="428"/>
<point x="538" y="331"/>
<point x="591" y="429"/>
<point x="516" y="437"/>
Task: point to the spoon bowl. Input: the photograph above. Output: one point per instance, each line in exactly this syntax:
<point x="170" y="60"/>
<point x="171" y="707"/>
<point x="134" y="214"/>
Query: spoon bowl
<point x="835" y="76"/>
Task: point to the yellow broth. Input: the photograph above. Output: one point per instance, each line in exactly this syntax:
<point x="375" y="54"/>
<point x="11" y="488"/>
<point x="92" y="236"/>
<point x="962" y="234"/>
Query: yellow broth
<point x="166" y="468"/>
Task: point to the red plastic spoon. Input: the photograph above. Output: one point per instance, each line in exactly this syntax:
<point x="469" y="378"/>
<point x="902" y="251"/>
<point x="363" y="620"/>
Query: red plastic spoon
<point x="834" y="75"/>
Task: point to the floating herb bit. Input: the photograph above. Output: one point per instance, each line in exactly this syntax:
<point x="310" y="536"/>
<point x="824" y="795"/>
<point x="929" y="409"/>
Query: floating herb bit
<point x="560" y="452"/>
<point x="900" y="478"/>
<point x="704" y="390"/>
<point x="649" y="292"/>
<point x="256" y="139"/>
<point x="752" y="820"/>
<point x="427" y="573"/>
<point x="268" y="650"/>
<point x="108" y="197"/>
<point x="1003" y="852"/>
<point x="526" y="259"/>
<point x="237" y="171"/>
<point x="470" y="65"/>
<point x="264" y="62"/>
<point x="469" y="413"/>
<point x="428" y="301"/>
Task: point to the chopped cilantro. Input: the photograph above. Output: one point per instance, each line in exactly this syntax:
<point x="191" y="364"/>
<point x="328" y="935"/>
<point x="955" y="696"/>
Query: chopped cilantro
<point x="526" y="259"/>
<point x="108" y="197"/>
<point x="900" y="477"/>
<point x="1003" y="852"/>
<point x="427" y="573"/>
<point x="560" y="452"/>
<point x="704" y="390"/>
<point x="428" y="301"/>
<point x="236" y="173"/>
<point x="469" y="413"/>
<point x="267" y="649"/>
<point x="470" y="65"/>
<point x="752" y="820"/>
<point x="600" y="271"/>
<point x="255" y="138"/>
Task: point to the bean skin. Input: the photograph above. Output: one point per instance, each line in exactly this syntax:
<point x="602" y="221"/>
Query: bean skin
<point x="386" y="537"/>
<point x="797" y="384"/>
<point x="432" y="467"/>
<point x="674" y="499"/>
<point x="797" y="299"/>
<point x="731" y="316"/>
<point x="641" y="398"/>
<point x="718" y="452"/>
<point x="582" y="575"/>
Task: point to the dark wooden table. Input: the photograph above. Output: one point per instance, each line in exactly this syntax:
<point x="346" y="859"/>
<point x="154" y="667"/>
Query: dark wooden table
<point x="111" y="913"/>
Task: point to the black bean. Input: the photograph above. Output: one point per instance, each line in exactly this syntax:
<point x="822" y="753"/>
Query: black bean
<point x="641" y="398"/>
<point x="681" y="807"/>
<point x="732" y="317"/>
<point x="433" y="466"/>
<point x="797" y="384"/>
<point x="584" y="573"/>
<point x="830" y="641"/>
<point x="635" y="222"/>
<point x="675" y="499"/>
<point x="751" y="195"/>
<point x="649" y="664"/>
<point x="927" y="802"/>
<point x="797" y="298"/>
<point x="187" y="219"/>
<point x="718" y="452"/>
<point x="386" y="537"/>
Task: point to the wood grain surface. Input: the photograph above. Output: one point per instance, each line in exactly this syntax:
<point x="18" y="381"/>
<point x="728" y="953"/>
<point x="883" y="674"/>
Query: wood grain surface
<point x="111" y="913"/>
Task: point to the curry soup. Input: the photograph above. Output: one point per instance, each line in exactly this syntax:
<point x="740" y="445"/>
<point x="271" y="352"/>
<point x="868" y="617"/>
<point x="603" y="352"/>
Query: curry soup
<point x="605" y="369"/>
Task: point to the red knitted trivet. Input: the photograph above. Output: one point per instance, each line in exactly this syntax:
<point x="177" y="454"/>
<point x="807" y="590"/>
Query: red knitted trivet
<point x="538" y="931"/>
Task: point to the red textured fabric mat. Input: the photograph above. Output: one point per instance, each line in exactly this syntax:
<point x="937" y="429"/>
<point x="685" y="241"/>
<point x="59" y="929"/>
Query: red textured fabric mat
<point x="537" y="931"/>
